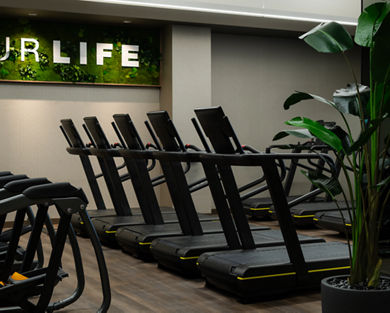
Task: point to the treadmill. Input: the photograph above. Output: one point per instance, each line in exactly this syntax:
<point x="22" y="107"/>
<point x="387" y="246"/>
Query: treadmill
<point x="137" y="240"/>
<point x="77" y="147"/>
<point x="106" y="227"/>
<point x="257" y="273"/>
<point x="334" y="220"/>
<point x="260" y="208"/>
<point x="180" y="253"/>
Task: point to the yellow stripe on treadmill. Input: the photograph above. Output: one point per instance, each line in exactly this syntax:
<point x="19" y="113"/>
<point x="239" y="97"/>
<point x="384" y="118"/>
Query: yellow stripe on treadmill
<point x="350" y="225"/>
<point x="267" y="276"/>
<point x="144" y="243"/>
<point x="110" y="231"/>
<point x="303" y="216"/>
<point x="188" y="257"/>
<point x="329" y="269"/>
<point x="259" y="209"/>
<point x="315" y="219"/>
<point x="294" y="273"/>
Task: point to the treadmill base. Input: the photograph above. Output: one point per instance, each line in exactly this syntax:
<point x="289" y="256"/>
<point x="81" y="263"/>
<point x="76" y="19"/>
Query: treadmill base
<point x="253" y="275"/>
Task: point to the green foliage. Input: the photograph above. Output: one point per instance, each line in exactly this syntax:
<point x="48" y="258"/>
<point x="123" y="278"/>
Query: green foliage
<point x="318" y="131"/>
<point x="300" y="133"/>
<point x="73" y="73"/>
<point x="368" y="187"/>
<point x="27" y="73"/>
<point x="328" y="37"/>
<point x="3" y="72"/>
<point x="369" y="23"/>
<point x="112" y="72"/>
<point x="43" y="61"/>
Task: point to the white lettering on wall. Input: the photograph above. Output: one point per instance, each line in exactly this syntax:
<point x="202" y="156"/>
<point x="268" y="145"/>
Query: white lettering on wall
<point x="127" y="56"/>
<point x="101" y="52"/>
<point x="34" y="50"/>
<point x="129" y="53"/>
<point x="57" y="58"/>
<point x="83" y="53"/>
<point x="6" y="55"/>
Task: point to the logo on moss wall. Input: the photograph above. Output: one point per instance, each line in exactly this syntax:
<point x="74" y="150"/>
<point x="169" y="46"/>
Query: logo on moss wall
<point x="97" y="54"/>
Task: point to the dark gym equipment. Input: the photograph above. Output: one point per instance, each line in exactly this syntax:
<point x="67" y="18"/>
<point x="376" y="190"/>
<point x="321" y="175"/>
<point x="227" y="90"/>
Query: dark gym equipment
<point x="260" y="208"/>
<point x="180" y="253"/>
<point x="216" y="126"/>
<point x="152" y="214"/>
<point x="251" y="272"/>
<point x="17" y="290"/>
<point x="77" y="147"/>
<point x="137" y="239"/>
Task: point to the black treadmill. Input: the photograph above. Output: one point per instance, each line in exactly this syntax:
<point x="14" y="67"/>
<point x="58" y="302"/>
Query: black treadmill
<point x="261" y="208"/>
<point x="106" y="227"/>
<point x="333" y="220"/>
<point x="77" y="147"/>
<point x="180" y="253"/>
<point x="137" y="239"/>
<point x="255" y="273"/>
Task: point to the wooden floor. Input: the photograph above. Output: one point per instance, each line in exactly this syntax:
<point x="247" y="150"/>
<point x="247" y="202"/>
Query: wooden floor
<point x="142" y="287"/>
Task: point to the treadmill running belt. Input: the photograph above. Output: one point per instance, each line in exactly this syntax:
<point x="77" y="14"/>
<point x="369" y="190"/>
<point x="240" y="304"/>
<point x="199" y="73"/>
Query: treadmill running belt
<point x="136" y="240"/>
<point x="181" y="253"/>
<point x="268" y="271"/>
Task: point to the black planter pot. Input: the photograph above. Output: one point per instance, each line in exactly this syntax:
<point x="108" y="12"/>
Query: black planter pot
<point x="341" y="300"/>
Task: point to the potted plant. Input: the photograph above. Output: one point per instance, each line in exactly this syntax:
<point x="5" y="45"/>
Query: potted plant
<point x="364" y="158"/>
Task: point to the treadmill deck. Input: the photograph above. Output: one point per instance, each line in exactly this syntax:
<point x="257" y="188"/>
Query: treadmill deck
<point x="268" y="271"/>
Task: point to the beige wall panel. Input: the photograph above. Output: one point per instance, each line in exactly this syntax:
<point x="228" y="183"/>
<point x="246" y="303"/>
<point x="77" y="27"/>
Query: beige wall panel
<point x="33" y="144"/>
<point x="252" y="76"/>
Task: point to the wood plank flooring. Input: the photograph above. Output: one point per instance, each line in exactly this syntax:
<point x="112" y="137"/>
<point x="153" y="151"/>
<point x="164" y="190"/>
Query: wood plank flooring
<point x="143" y="287"/>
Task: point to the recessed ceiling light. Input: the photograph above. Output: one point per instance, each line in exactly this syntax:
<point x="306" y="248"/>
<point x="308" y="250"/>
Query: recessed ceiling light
<point x="126" y="21"/>
<point x="32" y="14"/>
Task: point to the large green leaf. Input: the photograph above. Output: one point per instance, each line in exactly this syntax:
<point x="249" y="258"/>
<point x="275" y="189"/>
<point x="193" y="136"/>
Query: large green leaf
<point x="328" y="37"/>
<point x="380" y="61"/>
<point x="319" y="131"/>
<point x="329" y="185"/>
<point x="300" y="133"/>
<point x="298" y="96"/>
<point x="370" y="20"/>
<point x="346" y="99"/>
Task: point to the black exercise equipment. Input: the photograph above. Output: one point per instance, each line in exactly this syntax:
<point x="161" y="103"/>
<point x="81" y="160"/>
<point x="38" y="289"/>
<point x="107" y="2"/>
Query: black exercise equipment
<point x="143" y="186"/>
<point x="17" y="290"/>
<point x="219" y="131"/>
<point x="77" y="147"/>
<point x="152" y="214"/>
<point x="260" y="208"/>
<point x="334" y="220"/>
<point x="139" y="238"/>
<point x="254" y="273"/>
<point x="180" y="253"/>
<point x="10" y="189"/>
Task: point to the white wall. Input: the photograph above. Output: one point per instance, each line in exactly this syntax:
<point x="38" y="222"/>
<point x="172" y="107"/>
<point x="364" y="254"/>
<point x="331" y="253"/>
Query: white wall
<point x="253" y="75"/>
<point x="32" y="142"/>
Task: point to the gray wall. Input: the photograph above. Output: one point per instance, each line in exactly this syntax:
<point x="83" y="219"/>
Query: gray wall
<point x="186" y="84"/>
<point x="253" y="75"/>
<point x="32" y="142"/>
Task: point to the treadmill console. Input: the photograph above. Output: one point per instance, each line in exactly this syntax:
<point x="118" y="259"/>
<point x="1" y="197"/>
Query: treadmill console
<point x="97" y="133"/>
<point x="72" y="133"/>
